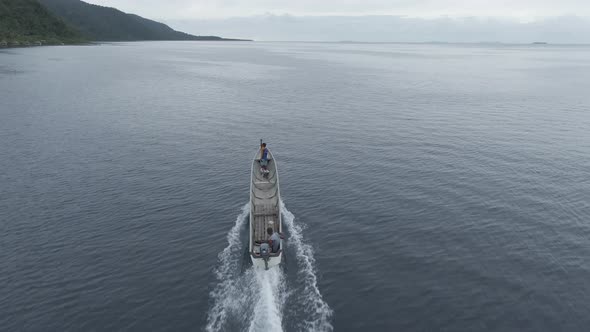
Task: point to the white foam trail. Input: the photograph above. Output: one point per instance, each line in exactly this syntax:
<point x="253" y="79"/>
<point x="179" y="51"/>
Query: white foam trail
<point x="256" y="296"/>
<point x="222" y="295"/>
<point x="268" y="311"/>
<point x="316" y="311"/>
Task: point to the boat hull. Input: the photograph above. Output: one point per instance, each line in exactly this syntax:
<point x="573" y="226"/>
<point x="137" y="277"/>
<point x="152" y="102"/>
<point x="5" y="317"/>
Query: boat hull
<point x="272" y="261"/>
<point x="264" y="211"/>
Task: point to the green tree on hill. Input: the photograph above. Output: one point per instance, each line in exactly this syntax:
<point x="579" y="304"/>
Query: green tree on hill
<point x="110" y="24"/>
<point x="28" y="21"/>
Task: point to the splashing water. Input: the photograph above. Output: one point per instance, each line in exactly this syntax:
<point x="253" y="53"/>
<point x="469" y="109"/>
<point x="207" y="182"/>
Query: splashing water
<point x="271" y="297"/>
<point x="254" y="300"/>
<point x="226" y="296"/>
<point x="255" y="296"/>
<point x="316" y="311"/>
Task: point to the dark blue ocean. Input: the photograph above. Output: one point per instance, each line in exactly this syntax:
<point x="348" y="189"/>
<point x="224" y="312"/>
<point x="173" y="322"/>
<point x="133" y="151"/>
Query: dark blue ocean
<point x="425" y="187"/>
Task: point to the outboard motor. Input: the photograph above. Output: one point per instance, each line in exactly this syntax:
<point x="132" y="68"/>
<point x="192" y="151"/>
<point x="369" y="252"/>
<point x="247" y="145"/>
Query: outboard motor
<point x="265" y="253"/>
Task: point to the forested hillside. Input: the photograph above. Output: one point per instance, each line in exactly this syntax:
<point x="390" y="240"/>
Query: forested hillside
<point x="109" y="24"/>
<point x="28" y="22"/>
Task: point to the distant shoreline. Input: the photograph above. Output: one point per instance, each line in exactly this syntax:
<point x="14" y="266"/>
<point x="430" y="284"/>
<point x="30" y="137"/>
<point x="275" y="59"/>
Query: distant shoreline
<point x="424" y="43"/>
<point x="90" y="43"/>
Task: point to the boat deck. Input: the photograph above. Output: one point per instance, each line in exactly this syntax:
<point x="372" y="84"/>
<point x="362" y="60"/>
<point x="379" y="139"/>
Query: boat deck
<point x="265" y="202"/>
<point x="264" y="217"/>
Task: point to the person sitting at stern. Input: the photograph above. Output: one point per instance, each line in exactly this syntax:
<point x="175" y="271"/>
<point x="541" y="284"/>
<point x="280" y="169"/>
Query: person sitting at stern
<point x="274" y="240"/>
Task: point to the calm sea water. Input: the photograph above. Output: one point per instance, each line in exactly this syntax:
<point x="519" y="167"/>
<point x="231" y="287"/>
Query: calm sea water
<point x="426" y="187"/>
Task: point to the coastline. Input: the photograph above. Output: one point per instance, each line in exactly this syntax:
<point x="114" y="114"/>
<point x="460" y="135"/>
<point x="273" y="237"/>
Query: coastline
<point x="40" y="43"/>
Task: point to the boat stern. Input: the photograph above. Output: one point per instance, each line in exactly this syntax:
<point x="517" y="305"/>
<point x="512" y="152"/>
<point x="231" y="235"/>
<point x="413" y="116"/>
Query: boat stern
<point x="265" y="264"/>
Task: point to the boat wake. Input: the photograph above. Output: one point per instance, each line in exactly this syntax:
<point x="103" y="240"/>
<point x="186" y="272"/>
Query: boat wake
<point x="314" y="312"/>
<point x="254" y="300"/>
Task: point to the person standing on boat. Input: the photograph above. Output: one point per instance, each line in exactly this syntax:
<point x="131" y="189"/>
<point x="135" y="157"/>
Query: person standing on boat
<point x="263" y="156"/>
<point x="274" y="241"/>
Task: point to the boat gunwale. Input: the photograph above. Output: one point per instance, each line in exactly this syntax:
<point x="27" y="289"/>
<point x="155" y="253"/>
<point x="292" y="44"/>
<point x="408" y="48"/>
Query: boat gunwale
<point x="277" y="206"/>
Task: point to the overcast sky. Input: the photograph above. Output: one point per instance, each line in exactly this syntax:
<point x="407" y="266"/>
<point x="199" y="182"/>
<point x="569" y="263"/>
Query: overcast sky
<point x="175" y="9"/>
<point x="381" y="20"/>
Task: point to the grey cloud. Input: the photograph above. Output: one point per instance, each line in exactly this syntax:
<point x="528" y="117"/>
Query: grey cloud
<point x="172" y="9"/>
<point x="374" y="20"/>
<point x="566" y="29"/>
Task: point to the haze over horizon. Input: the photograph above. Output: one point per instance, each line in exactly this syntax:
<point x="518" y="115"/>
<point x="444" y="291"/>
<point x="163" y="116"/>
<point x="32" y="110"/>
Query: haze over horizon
<point x="566" y="21"/>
